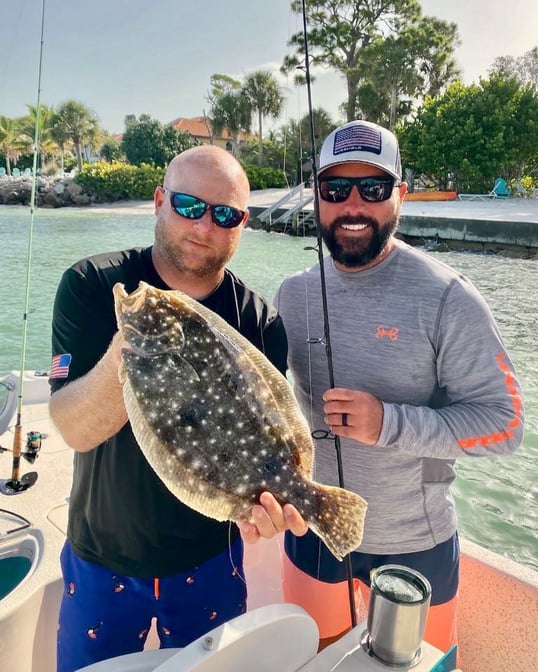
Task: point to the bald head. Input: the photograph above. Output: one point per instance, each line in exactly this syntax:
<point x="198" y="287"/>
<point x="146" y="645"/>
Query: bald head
<point x="208" y="167"/>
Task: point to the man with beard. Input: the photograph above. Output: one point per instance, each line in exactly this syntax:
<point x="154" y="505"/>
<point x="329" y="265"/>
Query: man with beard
<point x="421" y="378"/>
<point x="133" y="551"/>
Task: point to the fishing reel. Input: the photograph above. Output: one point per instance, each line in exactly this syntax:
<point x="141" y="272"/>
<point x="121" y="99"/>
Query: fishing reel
<point x="33" y="446"/>
<point x="16" y="485"/>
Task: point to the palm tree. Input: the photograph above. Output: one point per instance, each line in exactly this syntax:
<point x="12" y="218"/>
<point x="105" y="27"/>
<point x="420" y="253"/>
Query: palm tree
<point x="46" y="142"/>
<point x="265" y="98"/>
<point x="231" y="110"/>
<point x="76" y="122"/>
<point x="11" y="144"/>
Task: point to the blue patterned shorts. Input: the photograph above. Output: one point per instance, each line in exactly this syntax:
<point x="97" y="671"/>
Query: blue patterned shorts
<point x="104" y="615"/>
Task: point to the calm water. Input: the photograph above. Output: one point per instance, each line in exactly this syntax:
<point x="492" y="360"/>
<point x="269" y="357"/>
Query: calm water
<point x="497" y="498"/>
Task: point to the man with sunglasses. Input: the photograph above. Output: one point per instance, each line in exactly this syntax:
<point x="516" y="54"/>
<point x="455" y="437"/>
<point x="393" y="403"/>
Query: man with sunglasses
<point x="133" y="551"/>
<point x="421" y="377"/>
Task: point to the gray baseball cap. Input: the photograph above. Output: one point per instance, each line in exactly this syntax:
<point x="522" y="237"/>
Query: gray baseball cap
<point x="362" y="142"/>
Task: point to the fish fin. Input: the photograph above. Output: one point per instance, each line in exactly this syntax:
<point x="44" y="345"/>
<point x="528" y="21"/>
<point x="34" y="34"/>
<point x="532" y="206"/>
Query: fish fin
<point x="119" y="294"/>
<point x="339" y="523"/>
<point x="122" y="372"/>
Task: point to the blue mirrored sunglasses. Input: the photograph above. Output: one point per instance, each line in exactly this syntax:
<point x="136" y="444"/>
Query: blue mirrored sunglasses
<point x="193" y="207"/>
<point x="334" y="189"/>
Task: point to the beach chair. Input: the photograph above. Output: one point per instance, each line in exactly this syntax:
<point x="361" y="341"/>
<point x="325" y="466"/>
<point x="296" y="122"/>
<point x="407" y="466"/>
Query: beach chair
<point x="2" y="170"/>
<point x="500" y="189"/>
<point x="15" y="172"/>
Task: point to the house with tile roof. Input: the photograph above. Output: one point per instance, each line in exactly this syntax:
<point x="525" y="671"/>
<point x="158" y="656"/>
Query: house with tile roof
<point x="200" y="128"/>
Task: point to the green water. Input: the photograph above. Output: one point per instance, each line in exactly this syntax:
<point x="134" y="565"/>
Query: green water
<point x="497" y="498"/>
<point x="12" y="572"/>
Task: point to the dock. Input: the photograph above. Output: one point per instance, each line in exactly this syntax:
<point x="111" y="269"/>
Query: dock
<point x="503" y="225"/>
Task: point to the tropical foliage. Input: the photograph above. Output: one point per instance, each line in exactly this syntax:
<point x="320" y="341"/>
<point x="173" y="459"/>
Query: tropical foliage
<point x="146" y="140"/>
<point x="472" y="134"/>
<point x="388" y="53"/>
<point x="229" y="109"/>
<point x="263" y="94"/>
<point x="399" y="70"/>
<point x="11" y="144"/>
<point x="232" y="106"/>
<point x="524" y="68"/>
<point x="76" y="123"/>
<point x="113" y="181"/>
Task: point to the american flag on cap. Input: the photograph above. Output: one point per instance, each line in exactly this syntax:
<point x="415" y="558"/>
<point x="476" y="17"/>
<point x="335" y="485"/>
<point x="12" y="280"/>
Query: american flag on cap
<point x="357" y="138"/>
<point x="59" y="367"/>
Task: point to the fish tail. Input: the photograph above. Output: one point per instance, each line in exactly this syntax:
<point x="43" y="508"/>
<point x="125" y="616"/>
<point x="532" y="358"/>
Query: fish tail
<point x="339" y="519"/>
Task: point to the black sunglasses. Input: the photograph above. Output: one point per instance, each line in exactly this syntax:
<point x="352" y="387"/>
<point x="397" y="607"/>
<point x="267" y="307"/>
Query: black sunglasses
<point x="334" y="189"/>
<point x="193" y="207"/>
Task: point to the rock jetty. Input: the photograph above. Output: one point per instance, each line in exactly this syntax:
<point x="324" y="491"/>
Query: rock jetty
<point x="52" y="192"/>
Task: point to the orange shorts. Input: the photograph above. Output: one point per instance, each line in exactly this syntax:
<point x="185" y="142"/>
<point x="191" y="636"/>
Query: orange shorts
<point x="327" y="601"/>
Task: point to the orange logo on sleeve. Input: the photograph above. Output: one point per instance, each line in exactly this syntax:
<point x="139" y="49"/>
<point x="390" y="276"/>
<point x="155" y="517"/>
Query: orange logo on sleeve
<point x="517" y="405"/>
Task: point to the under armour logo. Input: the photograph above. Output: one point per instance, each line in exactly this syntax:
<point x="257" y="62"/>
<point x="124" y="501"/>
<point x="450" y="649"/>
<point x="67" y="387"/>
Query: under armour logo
<point x="392" y="334"/>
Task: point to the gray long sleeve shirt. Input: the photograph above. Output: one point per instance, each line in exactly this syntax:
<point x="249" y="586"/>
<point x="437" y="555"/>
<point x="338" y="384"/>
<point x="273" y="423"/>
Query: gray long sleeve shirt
<point x="417" y="335"/>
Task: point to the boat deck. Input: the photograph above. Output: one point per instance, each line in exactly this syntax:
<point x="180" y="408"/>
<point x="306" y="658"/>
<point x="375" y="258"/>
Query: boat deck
<point x="498" y="608"/>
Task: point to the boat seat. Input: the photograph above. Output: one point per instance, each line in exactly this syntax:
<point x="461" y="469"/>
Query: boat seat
<point x="277" y="637"/>
<point x="10" y="383"/>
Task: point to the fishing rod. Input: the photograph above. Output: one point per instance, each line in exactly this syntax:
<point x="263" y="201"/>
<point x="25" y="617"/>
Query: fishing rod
<point x="326" y="328"/>
<point x="17" y="483"/>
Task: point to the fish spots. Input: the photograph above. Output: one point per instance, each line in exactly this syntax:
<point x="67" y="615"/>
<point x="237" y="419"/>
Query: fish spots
<point x="216" y="422"/>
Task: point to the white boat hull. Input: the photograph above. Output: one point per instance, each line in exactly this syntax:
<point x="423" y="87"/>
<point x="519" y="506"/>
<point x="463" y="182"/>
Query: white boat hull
<point x="497" y="615"/>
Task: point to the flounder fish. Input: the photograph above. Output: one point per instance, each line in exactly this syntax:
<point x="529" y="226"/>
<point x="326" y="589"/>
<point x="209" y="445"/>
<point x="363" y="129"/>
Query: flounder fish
<point x="217" y="421"/>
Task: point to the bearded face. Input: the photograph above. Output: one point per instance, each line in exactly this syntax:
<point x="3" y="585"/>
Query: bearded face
<point x="356" y="240"/>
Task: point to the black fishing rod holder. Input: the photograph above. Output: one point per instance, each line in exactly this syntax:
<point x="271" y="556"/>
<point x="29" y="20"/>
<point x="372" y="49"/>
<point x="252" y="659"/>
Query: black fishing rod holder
<point x="17" y="485"/>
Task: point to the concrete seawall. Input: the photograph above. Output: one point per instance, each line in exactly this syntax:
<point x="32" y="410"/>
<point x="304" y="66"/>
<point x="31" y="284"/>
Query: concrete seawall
<point x="508" y="226"/>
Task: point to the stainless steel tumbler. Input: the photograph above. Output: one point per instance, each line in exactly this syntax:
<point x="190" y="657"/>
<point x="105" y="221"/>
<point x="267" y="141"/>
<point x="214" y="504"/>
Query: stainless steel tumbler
<point x="399" y="602"/>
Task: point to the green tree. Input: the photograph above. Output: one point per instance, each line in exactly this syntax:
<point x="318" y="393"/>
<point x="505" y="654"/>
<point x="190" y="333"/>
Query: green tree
<point x="417" y="61"/>
<point x="472" y="134"/>
<point x="142" y="141"/>
<point x="79" y="124"/>
<point x="146" y="140"/>
<point x="524" y="68"/>
<point x="11" y="144"/>
<point x="44" y="119"/>
<point x="231" y="110"/>
<point x="350" y="36"/>
<point x="263" y="93"/>
<point x="295" y="140"/>
<point x="221" y="84"/>
<point x="111" y="150"/>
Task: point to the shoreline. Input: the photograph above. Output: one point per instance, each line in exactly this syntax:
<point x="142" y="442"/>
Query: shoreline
<point x="504" y="227"/>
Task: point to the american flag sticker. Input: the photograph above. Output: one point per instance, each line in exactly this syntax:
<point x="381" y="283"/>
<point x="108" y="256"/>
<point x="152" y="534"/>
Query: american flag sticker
<point x="357" y="139"/>
<point x="59" y="367"/>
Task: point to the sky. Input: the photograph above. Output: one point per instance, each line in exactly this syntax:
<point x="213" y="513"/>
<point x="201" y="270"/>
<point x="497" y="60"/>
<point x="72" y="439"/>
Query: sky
<point x="156" y="57"/>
